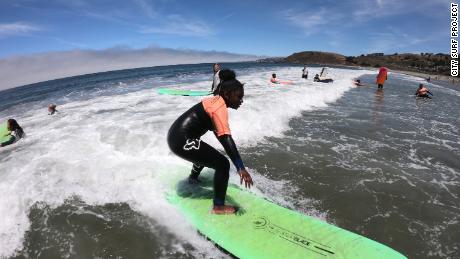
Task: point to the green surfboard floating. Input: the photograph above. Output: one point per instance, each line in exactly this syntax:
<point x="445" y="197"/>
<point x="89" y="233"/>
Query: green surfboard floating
<point x="262" y="229"/>
<point x="183" y="92"/>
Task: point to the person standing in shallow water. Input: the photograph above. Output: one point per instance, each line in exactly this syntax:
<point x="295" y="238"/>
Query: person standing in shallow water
<point x="215" y="78"/>
<point x="224" y="75"/>
<point x="211" y="114"/>
<point x="382" y="77"/>
<point x="305" y="72"/>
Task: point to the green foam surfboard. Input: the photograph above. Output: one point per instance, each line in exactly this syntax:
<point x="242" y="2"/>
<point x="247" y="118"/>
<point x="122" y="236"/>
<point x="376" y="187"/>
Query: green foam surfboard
<point x="262" y="229"/>
<point x="183" y="92"/>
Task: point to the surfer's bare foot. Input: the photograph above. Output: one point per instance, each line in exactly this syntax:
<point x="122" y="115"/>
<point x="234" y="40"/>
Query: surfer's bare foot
<point x="224" y="209"/>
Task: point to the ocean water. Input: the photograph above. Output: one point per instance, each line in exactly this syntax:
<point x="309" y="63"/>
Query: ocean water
<point x="90" y="181"/>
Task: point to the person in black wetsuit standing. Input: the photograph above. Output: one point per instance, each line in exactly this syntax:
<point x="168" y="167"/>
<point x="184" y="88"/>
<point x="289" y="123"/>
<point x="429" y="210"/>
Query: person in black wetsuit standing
<point x="211" y="114"/>
<point x="216" y="77"/>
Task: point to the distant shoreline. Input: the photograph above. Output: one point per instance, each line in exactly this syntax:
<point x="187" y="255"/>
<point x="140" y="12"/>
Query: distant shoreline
<point x="424" y="65"/>
<point x="444" y="78"/>
<point x="448" y="79"/>
<point x="436" y="77"/>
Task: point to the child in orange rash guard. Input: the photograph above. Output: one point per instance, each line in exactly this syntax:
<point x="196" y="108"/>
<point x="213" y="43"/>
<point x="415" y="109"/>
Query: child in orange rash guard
<point x="211" y="114"/>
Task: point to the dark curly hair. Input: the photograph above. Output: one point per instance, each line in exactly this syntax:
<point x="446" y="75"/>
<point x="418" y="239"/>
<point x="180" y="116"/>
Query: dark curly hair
<point x="228" y="82"/>
<point x="15" y="127"/>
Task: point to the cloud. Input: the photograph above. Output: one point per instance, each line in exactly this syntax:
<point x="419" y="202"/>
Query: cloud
<point x="357" y="13"/>
<point x="309" y="21"/>
<point x="312" y="22"/>
<point x="364" y="10"/>
<point x="393" y="39"/>
<point x="17" y="28"/>
<point x="23" y="70"/>
<point x="146" y="7"/>
<point x="178" y="25"/>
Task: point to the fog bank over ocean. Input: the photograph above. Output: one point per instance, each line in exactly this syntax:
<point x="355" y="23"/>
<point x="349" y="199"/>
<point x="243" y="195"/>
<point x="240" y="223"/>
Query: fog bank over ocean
<point x="23" y="70"/>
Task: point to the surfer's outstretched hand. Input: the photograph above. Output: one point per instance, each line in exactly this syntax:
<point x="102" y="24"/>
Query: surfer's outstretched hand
<point x="246" y="177"/>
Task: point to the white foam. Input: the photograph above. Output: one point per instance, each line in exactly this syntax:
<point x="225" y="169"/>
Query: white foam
<point x="113" y="148"/>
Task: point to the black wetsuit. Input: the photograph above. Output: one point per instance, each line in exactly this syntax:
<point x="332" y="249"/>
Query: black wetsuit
<point x="184" y="140"/>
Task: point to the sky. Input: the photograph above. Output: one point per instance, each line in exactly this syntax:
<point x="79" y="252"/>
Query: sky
<point x="38" y="31"/>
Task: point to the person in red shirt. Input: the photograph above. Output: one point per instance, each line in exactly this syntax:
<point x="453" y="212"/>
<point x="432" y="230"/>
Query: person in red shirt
<point x="382" y="77"/>
<point x="211" y="114"/>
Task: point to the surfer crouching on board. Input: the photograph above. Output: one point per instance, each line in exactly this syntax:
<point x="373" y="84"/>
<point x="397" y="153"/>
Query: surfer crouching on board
<point x="211" y="114"/>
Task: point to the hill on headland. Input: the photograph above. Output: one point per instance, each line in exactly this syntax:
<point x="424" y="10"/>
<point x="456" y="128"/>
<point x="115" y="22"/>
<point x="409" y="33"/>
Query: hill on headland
<point x="424" y="63"/>
<point x="316" y="57"/>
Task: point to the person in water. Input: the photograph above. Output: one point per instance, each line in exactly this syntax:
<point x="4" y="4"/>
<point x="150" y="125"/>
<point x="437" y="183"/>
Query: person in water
<point x="422" y="91"/>
<point x="211" y="114"/>
<point x="13" y="130"/>
<point x="357" y="82"/>
<point x="224" y="75"/>
<point x="216" y="77"/>
<point x="382" y="77"/>
<point x="274" y="80"/>
<point x="316" y="78"/>
<point x="52" y="109"/>
<point x="305" y="72"/>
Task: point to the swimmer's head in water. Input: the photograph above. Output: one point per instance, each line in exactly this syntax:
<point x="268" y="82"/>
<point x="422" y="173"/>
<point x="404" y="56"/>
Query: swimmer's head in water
<point x="274" y="75"/>
<point x="233" y="92"/>
<point x="420" y="86"/>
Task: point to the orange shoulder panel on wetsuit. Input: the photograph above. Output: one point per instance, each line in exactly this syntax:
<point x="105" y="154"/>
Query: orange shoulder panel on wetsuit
<point x="216" y="108"/>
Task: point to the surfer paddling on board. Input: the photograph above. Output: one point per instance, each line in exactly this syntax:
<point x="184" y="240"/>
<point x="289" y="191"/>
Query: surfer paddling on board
<point x="52" y="109"/>
<point x="357" y="82"/>
<point x="10" y="132"/>
<point x="273" y="79"/>
<point x="422" y="91"/>
<point x="211" y="114"/>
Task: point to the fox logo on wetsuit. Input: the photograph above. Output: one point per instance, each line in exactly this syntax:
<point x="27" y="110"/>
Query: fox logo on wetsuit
<point x="192" y="144"/>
